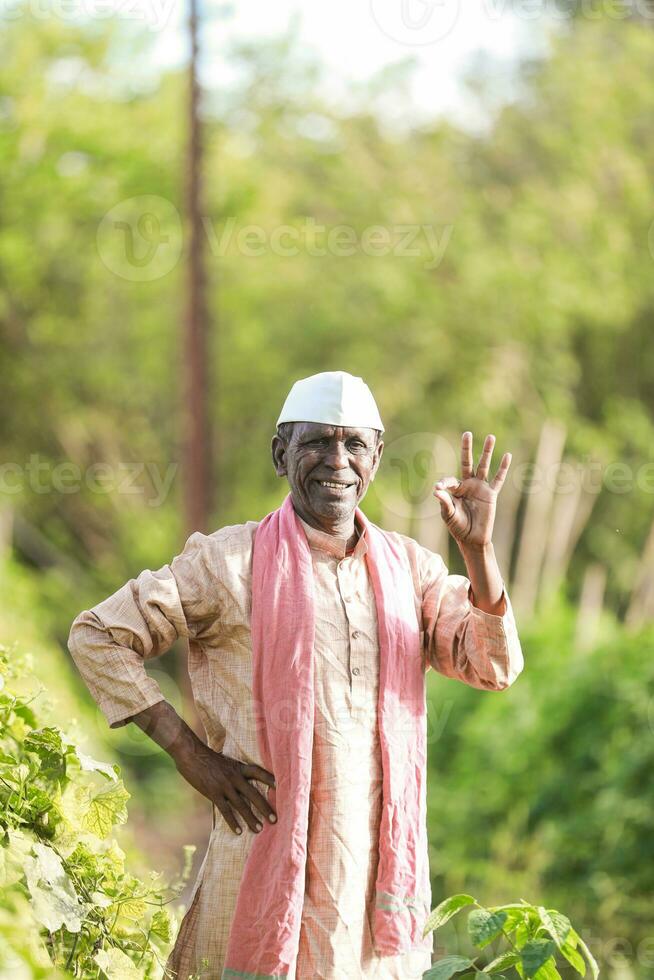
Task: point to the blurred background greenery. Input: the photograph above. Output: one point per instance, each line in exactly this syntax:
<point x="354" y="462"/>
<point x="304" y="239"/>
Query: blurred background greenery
<point x="493" y="272"/>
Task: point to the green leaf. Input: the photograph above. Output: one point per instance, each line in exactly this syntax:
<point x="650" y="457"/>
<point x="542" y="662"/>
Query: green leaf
<point x="548" y="971"/>
<point x="556" y="924"/>
<point x="447" y="967"/>
<point x="131" y="908"/>
<point x="15" y="849"/>
<point x="484" y="926"/>
<point x="535" y="953"/>
<point x="574" y="958"/>
<point x="105" y="809"/>
<point x="48" y="746"/>
<point x="117" y="965"/>
<point x="160" y="925"/>
<point x="101" y="900"/>
<point x="594" y="968"/>
<point x="44" y="740"/>
<point x="443" y="912"/>
<point x="54" y="900"/>
<point x="26" y="715"/>
<point x="508" y="958"/>
<point x="88" y="764"/>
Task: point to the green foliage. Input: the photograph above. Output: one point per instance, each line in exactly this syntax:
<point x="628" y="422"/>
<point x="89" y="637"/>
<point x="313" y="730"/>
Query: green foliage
<point x="544" y="789"/>
<point x="541" y="303"/>
<point x="68" y="904"/>
<point x="532" y="934"/>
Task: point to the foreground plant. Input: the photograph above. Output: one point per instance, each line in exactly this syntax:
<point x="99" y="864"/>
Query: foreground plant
<point x="68" y="904"/>
<point x="532" y="935"/>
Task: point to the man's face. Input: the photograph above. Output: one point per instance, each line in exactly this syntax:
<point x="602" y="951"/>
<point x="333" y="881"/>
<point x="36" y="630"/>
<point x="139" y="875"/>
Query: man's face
<point x="328" y="469"/>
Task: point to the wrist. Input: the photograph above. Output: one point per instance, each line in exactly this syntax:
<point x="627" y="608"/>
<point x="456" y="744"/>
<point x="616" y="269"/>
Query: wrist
<point x="476" y="550"/>
<point x="165" y="727"/>
<point x="185" y="747"/>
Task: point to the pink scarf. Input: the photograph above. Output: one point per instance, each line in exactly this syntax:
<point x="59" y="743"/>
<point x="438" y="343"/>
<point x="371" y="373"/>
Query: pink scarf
<point x="263" y="941"/>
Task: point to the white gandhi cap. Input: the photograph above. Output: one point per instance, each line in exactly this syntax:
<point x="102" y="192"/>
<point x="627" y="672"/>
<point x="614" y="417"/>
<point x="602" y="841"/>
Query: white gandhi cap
<point x="333" y="398"/>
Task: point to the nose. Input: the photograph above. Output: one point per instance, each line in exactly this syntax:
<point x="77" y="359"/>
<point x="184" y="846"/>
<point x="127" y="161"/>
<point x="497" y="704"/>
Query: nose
<point x="336" y="458"/>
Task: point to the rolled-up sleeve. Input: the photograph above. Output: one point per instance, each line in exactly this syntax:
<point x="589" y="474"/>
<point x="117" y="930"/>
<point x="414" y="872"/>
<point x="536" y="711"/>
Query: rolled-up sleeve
<point x="111" y="642"/>
<point x="480" y="649"/>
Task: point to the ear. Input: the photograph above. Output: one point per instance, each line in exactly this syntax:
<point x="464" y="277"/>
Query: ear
<point x="278" y="450"/>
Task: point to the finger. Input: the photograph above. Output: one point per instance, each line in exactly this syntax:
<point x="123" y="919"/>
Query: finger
<point x="242" y="808"/>
<point x="500" y="476"/>
<point x="485" y="458"/>
<point x="448" y="483"/>
<point x="252" y="771"/>
<point x="466" y="455"/>
<point x="448" y="509"/>
<point x="252" y="794"/>
<point x="228" y="816"/>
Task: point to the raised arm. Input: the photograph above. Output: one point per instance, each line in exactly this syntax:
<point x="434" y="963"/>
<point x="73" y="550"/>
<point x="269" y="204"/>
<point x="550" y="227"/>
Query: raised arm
<point x="469" y="623"/>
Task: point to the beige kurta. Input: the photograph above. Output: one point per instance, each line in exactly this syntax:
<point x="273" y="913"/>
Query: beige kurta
<point x="205" y="595"/>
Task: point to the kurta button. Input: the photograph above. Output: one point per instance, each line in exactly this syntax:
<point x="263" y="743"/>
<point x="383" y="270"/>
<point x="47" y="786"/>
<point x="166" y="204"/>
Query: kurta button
<point x="356" y="671"/>
<point x="356" y="635"/>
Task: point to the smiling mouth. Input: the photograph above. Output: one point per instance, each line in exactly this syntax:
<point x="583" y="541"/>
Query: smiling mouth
<point x="332" y="485"/>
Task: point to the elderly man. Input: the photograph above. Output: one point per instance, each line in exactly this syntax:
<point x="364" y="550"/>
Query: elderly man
<point x="310" y="633"/>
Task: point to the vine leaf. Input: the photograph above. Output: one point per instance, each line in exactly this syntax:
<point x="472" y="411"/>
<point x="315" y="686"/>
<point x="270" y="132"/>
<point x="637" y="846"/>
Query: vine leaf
<point x="116" y="965"/>
<point x="88" y="764"/>
<point x="55" y="902"/>
<point x="105" y="809"/>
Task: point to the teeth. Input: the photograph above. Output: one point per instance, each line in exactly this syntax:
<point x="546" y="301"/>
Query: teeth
<point x="335" y="486"/>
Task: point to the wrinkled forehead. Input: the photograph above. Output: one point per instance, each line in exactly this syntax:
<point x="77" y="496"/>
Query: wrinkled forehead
<point x="304" y="431"/>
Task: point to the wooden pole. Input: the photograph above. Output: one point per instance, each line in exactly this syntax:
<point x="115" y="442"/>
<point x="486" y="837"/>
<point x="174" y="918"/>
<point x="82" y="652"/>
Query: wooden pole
<point x="196" y="453"/>
<point x="197" y="440"/>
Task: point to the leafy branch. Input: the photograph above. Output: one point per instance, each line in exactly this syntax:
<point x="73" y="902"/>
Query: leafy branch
<point x="535" y="936"/>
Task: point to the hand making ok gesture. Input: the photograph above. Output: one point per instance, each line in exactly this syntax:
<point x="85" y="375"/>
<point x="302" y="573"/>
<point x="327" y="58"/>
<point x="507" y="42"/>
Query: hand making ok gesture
<point x="468" y="504"/>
